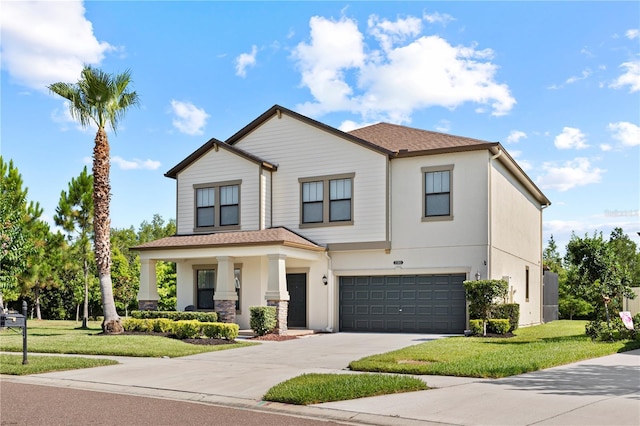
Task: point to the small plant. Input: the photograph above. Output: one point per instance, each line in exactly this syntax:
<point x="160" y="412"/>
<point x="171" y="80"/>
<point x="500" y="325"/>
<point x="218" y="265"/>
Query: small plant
<point x="220" y="330"/>
<point x="482" y="294"/>
<point x="263" y="319"/>
<point x="498" y="326"/>
<point x="189" y="329"/>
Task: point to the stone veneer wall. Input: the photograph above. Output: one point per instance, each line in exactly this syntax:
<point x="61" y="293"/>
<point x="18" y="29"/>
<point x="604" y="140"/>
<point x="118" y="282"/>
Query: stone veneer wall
<point x="226" y="310"/>
<point x="148" y="305"/>
<point x="282" y="307"/>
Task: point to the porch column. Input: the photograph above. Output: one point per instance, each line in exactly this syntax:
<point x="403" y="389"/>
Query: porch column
<point x="148" y="293"/>
<point x="277" y="294"/>
<point x="225" y="296"/>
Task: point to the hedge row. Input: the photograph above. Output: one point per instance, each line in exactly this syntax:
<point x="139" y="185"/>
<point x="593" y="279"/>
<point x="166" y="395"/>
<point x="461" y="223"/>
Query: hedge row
<point x="511" y="311"/>
<point x="497" y="326"/>
<point x="183" y="329"/>
<point x="177" y="315"/>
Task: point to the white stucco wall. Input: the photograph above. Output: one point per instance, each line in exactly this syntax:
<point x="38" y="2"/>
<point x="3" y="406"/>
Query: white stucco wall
<point x="516" y="241"/>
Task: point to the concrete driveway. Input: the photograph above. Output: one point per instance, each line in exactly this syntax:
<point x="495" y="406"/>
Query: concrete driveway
<point x="245" y="373"/>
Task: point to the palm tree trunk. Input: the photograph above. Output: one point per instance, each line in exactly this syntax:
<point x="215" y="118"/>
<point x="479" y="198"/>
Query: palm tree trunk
<point x="102" y="228"/>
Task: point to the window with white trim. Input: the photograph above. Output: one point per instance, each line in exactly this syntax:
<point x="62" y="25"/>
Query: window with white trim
<point x="326" y="200"/>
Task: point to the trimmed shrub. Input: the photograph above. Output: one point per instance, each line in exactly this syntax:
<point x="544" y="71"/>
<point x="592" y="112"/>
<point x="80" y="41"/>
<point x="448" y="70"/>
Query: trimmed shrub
<point x="510" y="311"/>
<point x="177" y="315"/>
<point x="476" y="327"/>
<point x="130" y="324"/>
<point x="137" y="325"/>
<point x="498" y="326"/>
<point x="188" y="329"/>
<point x="602" y="332"/>
<point x="163" y="325"/>
<point x="220" y="330"/>
<point x="263" y="319"/>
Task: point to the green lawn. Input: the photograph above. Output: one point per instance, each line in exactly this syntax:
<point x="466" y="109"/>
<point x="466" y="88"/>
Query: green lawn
<point x="533" y="348"/>
<point x="12" y="364"/>
<point x="317" y="388"/>
<point x="63" y="337"/>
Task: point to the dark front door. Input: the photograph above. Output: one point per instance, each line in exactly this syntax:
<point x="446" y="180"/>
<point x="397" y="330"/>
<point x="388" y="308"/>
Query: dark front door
<point x="297" y="288"/>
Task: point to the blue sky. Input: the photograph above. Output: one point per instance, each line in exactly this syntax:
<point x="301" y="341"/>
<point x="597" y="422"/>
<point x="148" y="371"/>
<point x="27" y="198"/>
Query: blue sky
<point x="557" y="83"/>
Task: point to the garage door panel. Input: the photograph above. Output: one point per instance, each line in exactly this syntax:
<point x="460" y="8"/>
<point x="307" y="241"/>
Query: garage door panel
<point x="411" y="303"/>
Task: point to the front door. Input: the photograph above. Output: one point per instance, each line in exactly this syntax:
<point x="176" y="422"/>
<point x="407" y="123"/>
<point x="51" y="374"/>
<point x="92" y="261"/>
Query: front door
<point x="297" y="288"/>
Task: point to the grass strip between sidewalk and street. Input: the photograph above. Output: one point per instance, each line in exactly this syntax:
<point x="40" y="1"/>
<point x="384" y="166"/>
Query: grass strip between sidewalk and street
<point x="12" y="364"/>
<point x="63" y="337"/>
<point x="533" y="348"/>
<point x="316" y="388"/>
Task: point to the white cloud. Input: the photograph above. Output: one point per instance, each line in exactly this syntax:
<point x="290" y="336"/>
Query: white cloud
<point x="44" y="42"/>
<point x="189" y="118"/>
<point x="573" y="173"/>
<point x="408" y="72"/>
<point x="570" y="138"/>
<point x="389" y="33"/>
<point x="630" y="78"/>
<point x="627" y="133"/>
<point x="605" y="147"/>
<point x="515" y="136"/>
<point x="443" y="126"/>
<point x="246" y="60"/>
<point x="524" y="164"/>
<point x="631" y="34"/>
<point x="584" y="75"/>
<point x="135" y="164"/>
<point x="434" y="17"/>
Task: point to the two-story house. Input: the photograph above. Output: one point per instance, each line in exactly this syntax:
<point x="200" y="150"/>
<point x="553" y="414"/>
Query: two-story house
<point x="369" y="230"/>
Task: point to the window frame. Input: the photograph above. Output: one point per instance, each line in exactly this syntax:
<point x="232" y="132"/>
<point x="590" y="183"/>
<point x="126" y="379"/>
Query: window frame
<point x="423" y="173"/>
<point x="326" y="200"/>
<point x="217" y="207"/>
<point x="237" y="267"/>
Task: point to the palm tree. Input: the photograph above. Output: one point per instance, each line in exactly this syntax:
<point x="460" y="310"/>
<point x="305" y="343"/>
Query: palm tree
<point x="102" y="99"/>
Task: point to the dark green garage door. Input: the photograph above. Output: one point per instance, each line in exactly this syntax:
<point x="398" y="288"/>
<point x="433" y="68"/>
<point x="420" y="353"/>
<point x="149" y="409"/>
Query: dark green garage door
<point x="403" y="303"/>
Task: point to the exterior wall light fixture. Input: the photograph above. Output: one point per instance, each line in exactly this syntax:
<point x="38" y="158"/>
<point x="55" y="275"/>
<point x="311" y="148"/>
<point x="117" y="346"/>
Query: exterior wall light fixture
<point x="324" y="280"/>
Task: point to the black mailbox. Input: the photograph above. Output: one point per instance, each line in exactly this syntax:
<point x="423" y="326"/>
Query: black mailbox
<point x="12" y="319"/>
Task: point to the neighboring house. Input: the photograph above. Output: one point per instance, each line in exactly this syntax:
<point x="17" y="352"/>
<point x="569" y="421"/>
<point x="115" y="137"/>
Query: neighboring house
<point x="369" y="230"/>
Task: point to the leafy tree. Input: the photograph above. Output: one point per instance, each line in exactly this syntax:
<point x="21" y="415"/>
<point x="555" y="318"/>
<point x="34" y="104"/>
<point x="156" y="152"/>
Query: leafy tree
<point x="626" y="252"/>
<point x="595" y="274"/>
<point x="16" y="215"/>
<point x="102" y="99"/>
<point x="482" y="295"/>
<point x="74" y="214"/>
<point x="551" y="258"/>
<point x="125" y="284"/>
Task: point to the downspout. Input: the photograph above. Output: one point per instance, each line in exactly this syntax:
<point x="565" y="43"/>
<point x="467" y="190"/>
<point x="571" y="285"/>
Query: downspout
<point x="490" y="214"/>
<point x="542" y="207"/>
<point x="330" y="295"/>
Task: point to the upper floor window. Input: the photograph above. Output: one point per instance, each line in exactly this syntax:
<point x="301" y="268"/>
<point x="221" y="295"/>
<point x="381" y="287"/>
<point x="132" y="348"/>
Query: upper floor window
<point x="326" y="200"/>
<point x="217" y="205"/>
<point x="437" y="202"/>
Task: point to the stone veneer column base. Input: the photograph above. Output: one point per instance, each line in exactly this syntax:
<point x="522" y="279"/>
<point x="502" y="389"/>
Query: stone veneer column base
<point x="282" y="309"/>
<point x="148" y="305"/>
<point x="226" y="310"/>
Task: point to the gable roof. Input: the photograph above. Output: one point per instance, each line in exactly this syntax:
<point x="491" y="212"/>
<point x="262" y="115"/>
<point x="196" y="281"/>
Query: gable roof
<point x="407" y="141"/>
<point x="277" y="110"/>
<point x="272" y="236"/>
<point x="215" y="144"/>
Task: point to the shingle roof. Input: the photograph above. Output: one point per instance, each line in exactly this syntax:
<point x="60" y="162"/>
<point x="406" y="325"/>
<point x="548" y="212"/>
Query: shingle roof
<point x="271" y="236"/>
<point x="402" y="139"/>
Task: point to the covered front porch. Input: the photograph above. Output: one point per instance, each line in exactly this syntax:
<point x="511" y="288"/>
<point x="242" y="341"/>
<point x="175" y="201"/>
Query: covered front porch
<point x="232" y="271"/>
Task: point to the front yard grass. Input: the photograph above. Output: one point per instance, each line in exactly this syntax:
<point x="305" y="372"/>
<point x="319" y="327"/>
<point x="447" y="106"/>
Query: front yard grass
<point x="63" y="337"/>
<point x="532" y="348"/>
<point x="12" y="364"/>
<point x="317" y="388"/>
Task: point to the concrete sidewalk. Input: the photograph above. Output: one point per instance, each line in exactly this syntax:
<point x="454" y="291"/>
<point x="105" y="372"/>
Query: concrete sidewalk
<point x="600" y="391"/>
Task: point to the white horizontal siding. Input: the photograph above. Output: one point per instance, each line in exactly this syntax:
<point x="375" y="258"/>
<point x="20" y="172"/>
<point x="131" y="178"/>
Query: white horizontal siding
<point x="301" y="150"/>
<point x="216" y="167"/>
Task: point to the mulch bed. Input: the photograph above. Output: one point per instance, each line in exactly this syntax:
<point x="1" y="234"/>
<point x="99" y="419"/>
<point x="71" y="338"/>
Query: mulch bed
<point x="273" y="337"/>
